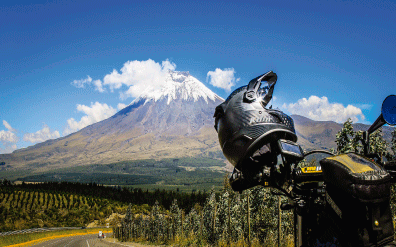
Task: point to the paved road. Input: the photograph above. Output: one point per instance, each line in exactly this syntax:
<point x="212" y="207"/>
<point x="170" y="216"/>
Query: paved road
<point x="90" y="240"/>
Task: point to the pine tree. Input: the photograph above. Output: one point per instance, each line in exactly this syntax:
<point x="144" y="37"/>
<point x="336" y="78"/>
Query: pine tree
<point x="377" y="143"/>
<point x="128" y="216"/>
<point x="393" y="146"/>
<point x="236" y="207"/>
<point x="356" y="142"/>
<point x="192" y="223"/>
<point x="344" y="138"/>
<point x="126" y="225"/>
<point x="350" y="141"/>
<point x="223" y="215"/>
<point x="176" y="219"/>
<point x="155" y="223"/>
<point x="209" y="218"/>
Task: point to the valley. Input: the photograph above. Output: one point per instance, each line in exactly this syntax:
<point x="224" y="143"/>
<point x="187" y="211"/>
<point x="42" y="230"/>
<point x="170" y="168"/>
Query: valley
<point x="184" y="174"/>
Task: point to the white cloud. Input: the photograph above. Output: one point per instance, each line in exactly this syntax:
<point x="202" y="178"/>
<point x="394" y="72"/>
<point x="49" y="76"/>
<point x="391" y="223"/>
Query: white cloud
<point x="138" y="76"/>
<point x="88" y="81"/>
<point x="81" y="83"/>
<point x="320" y="109"/>
<point x="224" y="79"/>
<point x="121" y="106"/>
<point x="364" y="106"/>
<point x="97" y="112"/>
<point x="8" y="138"/>
<point x="8" y="126"/>
<point x="42" y="135"/>
<point x="9" y="135"/>
<point x="98" y="86"/>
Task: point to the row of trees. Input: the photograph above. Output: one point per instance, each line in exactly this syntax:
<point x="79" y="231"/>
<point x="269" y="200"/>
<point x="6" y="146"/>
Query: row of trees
<point x="225" y="219"/>
<point x="348" y="140"/>
<point x="29" y="200"/>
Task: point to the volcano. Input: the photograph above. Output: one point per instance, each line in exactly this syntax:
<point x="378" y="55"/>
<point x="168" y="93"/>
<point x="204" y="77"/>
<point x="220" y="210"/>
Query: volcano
<point x="174" y="120"/>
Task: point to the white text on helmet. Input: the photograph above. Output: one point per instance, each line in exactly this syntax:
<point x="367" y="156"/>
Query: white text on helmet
<point x="261" y="119"/>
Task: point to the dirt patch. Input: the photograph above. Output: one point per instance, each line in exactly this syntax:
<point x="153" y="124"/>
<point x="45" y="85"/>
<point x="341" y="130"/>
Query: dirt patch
<point x="113" y="219"/>
<point x="188" y="168"/>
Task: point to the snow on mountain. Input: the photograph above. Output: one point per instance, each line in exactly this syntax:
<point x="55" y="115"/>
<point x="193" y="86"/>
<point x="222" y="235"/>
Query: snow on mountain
<point x="178" y="85"/>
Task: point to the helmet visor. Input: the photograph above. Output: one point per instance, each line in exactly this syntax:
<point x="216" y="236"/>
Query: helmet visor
<point x="263" y="90"/>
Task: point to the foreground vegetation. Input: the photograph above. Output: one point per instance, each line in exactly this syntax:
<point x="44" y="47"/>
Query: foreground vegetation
<point x="227" y="218"/>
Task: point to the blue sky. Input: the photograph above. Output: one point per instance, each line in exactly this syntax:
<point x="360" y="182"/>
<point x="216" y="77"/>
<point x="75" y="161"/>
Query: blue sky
<point x="335" y="59"/>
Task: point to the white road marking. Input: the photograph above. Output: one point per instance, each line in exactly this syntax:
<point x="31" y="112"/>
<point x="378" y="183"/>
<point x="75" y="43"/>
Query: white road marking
<point x="87" y="243"/>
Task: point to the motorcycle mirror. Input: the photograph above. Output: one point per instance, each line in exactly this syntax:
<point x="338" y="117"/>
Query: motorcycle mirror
<point x="389" y="110"/>
<point x="388" y="114"/>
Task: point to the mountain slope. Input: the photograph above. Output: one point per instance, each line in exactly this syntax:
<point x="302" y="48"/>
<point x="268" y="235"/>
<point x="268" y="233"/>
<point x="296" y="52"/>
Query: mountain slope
<point x="175" y="120"/>
<point x="315" y="134"/>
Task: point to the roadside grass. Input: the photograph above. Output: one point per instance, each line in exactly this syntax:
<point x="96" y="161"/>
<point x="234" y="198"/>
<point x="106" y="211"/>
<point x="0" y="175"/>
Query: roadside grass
<point x="28" y="239"/>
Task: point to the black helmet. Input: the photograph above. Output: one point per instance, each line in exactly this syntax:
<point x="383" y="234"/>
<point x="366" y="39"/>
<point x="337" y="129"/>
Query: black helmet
<point x="244" y="124"/>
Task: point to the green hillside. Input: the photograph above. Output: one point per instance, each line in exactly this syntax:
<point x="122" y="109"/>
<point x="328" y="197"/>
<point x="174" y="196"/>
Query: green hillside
<point x="68" y="204"/>
<point x="23" y="209"/>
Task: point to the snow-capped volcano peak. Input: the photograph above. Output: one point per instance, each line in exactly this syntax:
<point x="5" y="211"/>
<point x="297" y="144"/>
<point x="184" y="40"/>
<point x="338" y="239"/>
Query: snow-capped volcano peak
<point x="178" y="85"/>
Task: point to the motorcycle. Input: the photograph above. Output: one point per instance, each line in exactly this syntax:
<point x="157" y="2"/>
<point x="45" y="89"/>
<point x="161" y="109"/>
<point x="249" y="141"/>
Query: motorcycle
<point x="341" y="200"/>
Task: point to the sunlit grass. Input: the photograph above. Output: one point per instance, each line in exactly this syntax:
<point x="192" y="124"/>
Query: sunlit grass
<point x="28" y="239"/>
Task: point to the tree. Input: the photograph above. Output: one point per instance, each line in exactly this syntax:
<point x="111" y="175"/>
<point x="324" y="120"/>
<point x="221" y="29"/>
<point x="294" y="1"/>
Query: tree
<point x="377" y="143"/>
<point x="344" y="138"/>
<point x="209" y="218"/>
<point x="393" y="146"/>
<point x="356" y="142"/>
<point x="176" y="223"/>
<point x="192" y="223"/>
<point x="349" y="140"/>
<point x="6" y="182"/>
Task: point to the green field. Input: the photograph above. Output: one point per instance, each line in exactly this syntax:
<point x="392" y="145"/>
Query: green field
<point x="184" y="174"/>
